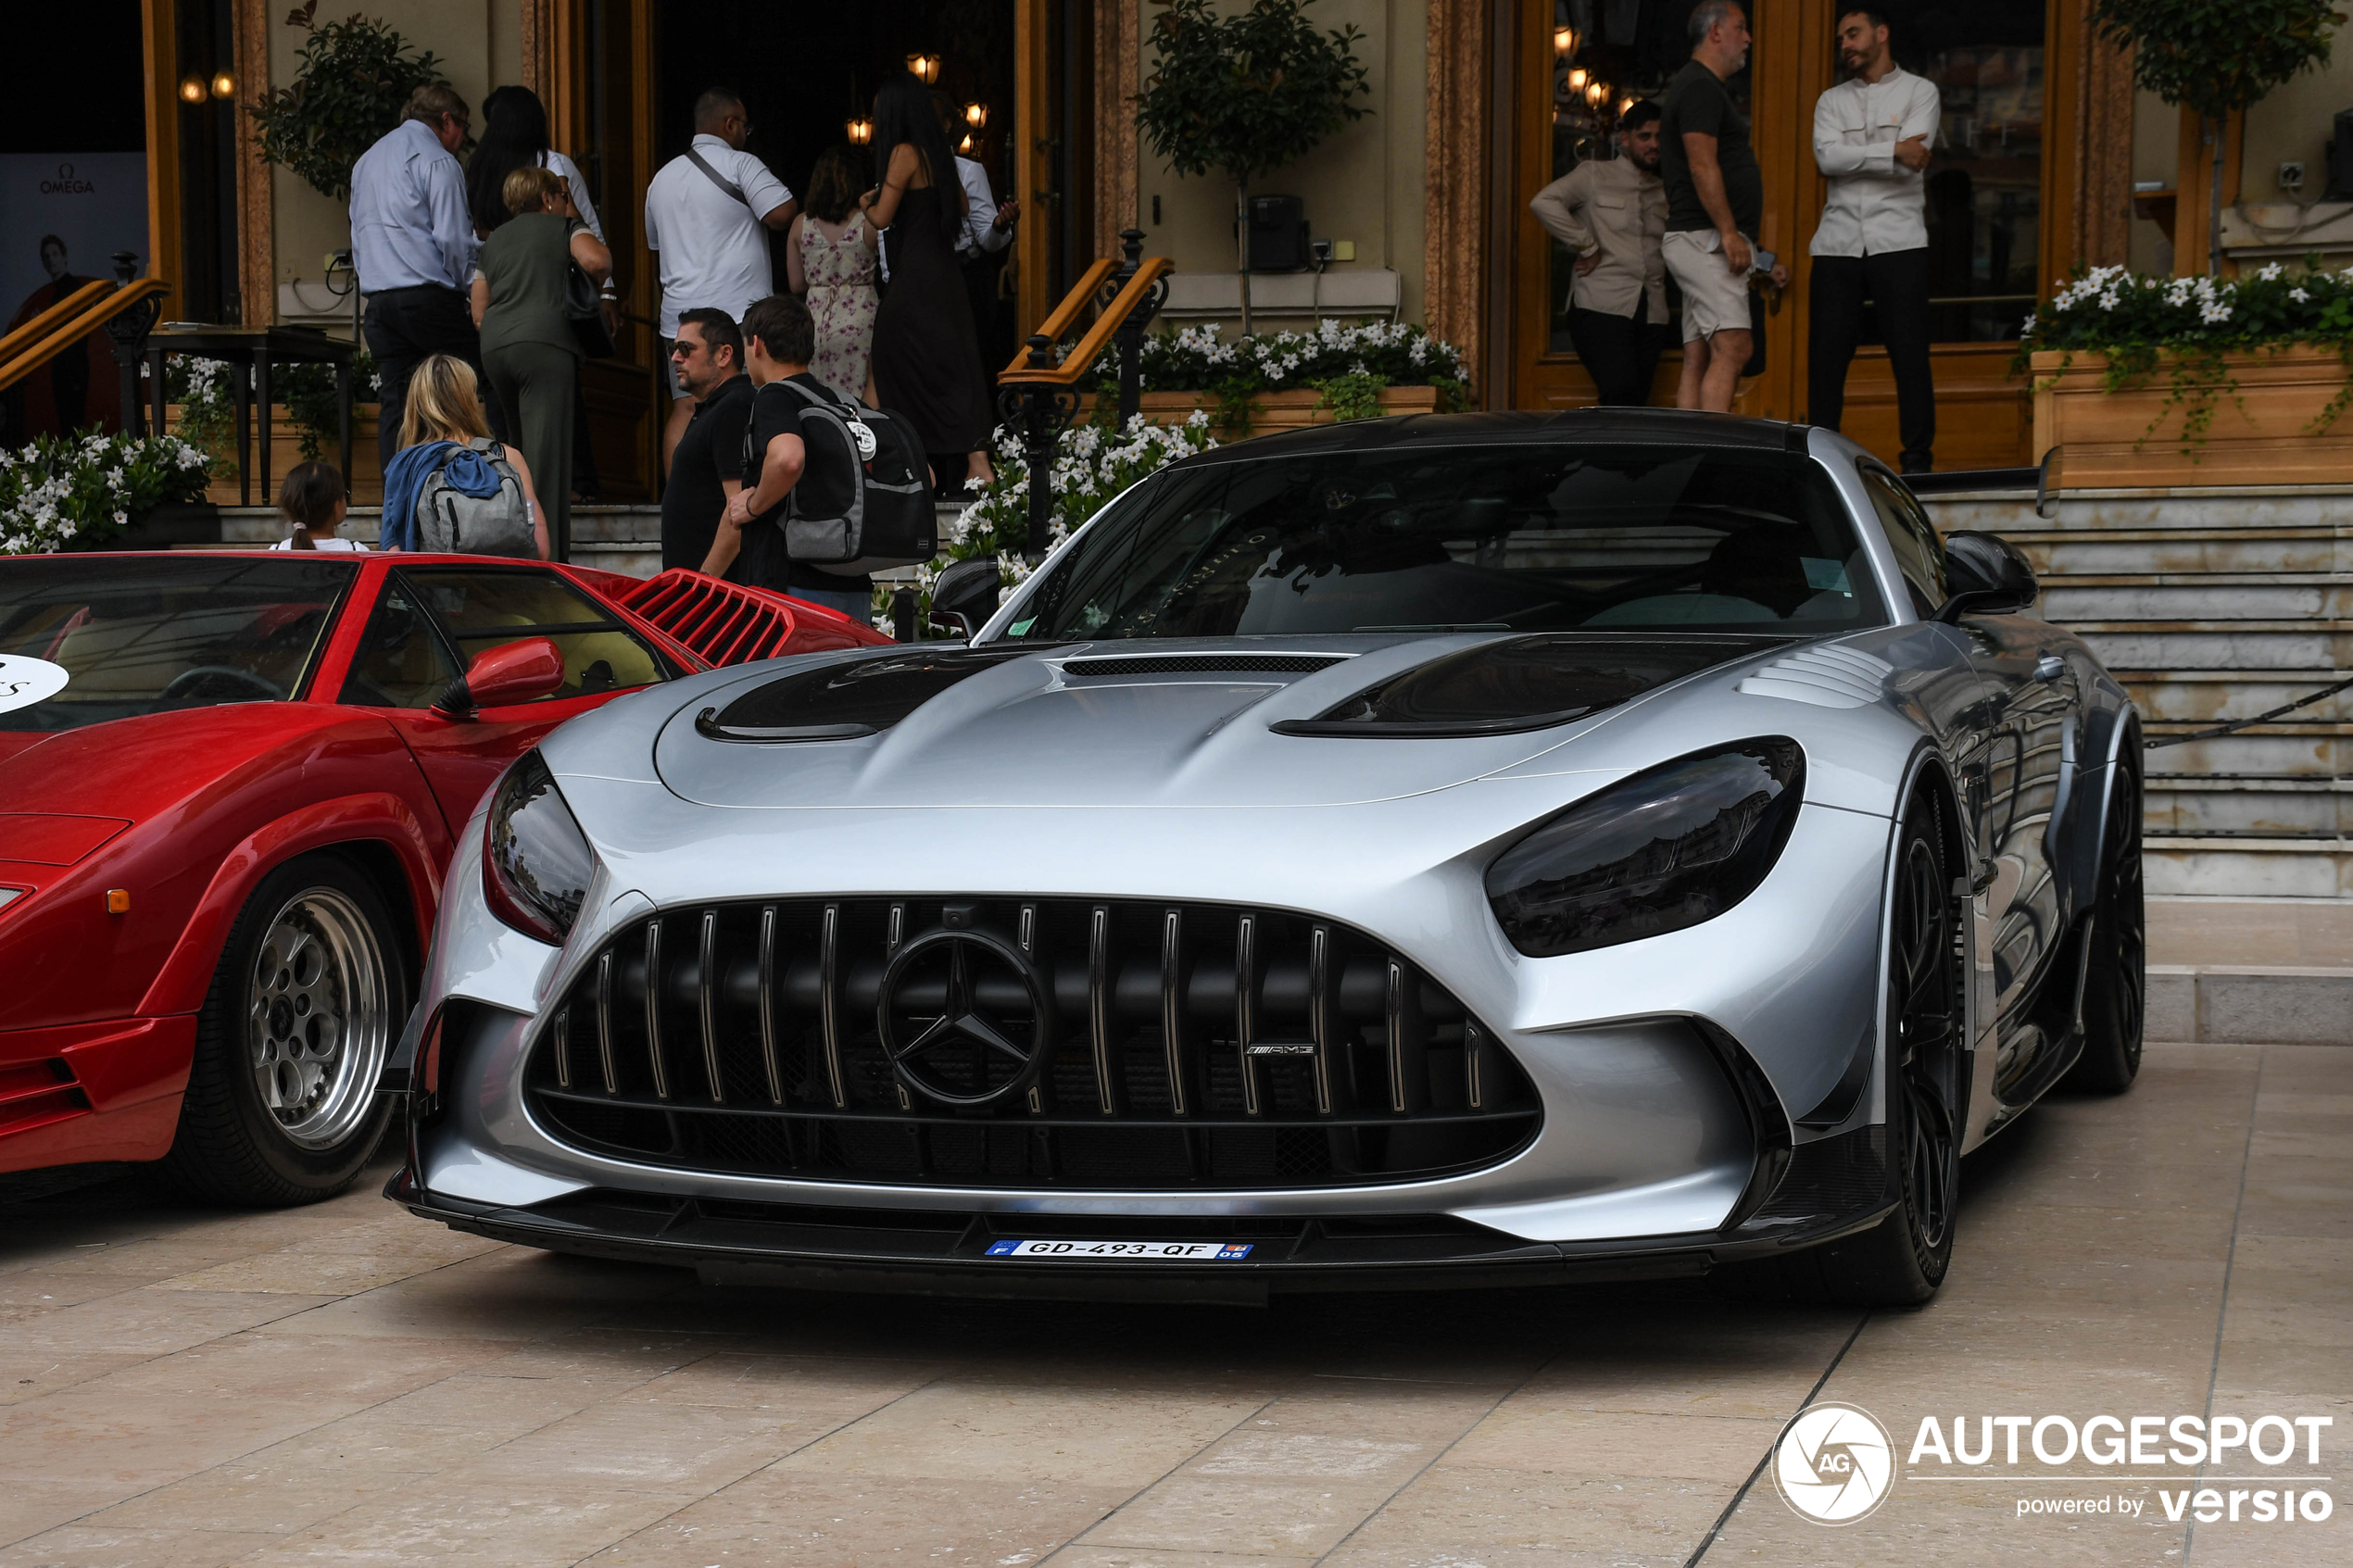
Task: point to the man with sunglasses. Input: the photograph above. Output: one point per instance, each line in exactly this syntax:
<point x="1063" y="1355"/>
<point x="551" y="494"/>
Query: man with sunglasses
<point x="708" y="211"/>
<point x="413" y="246"/>
<point x="707" y="358"/>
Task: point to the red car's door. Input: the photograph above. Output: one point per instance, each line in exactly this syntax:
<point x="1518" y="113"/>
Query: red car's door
<point x="430" y="621"/>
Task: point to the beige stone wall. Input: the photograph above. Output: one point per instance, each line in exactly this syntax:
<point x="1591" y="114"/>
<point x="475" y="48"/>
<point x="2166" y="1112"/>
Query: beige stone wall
<point x="1364" y="185"/>
<point x="2293" y="123"/>
<point x="480" y="47"/>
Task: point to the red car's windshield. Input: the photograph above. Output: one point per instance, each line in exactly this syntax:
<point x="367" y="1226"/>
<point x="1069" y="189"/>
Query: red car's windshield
<point x="114" y="636"/>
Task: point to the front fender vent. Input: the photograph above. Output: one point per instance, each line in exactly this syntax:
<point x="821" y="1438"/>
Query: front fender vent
<point x="1185" y="1046"/>
<point x="1825" y="677"/>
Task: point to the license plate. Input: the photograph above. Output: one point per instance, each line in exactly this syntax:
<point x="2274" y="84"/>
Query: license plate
<point x="1123" y="1251"/>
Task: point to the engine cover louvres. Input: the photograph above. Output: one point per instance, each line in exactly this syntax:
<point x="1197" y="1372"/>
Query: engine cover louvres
<point x="1115" y="1044"/>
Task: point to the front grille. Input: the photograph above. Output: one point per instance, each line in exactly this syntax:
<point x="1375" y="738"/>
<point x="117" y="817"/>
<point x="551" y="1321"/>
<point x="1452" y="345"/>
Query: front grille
<point x="758" y="1048"/>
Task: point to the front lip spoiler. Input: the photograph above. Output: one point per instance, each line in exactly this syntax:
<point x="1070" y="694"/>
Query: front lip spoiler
<point x="741" y="1249"/>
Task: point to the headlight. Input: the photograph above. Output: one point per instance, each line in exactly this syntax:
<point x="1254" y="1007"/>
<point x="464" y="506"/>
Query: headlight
<point x="535" y="862"/>
<point x="1665" y="849"/>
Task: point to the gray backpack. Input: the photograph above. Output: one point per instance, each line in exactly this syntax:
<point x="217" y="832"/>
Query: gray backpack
<point x="450" y="520"/>
<point x="889" y="520"/>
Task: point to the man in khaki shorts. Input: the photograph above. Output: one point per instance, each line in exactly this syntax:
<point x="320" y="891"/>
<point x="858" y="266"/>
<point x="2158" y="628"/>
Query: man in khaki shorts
<point x="1715" y="200"/>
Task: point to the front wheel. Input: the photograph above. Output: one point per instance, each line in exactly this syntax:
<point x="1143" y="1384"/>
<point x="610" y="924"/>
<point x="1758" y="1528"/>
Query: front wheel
<point x="1901" y="1260"/>
<point x="2115" y="984"/>
<point x="310" y="993"/>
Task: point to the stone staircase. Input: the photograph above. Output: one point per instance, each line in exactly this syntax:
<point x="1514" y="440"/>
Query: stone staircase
<point x="2209" y="605"/>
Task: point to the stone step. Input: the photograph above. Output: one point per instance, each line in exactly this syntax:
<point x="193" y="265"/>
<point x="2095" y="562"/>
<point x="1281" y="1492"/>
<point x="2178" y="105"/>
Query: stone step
<point x="2207" y="601"/>
<point x="2240" y="807"/>
<point x="2249" y="868"/>
<point x="2187" y="509"/>
<point x="2061" y="557"/>
<point x="2276" y="971"/>
<point x="2198" y="697"/>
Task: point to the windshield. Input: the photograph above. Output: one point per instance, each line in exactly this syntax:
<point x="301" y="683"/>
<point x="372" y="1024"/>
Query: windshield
<point x="1535" y="538"/>
<point x="115" y="636"/>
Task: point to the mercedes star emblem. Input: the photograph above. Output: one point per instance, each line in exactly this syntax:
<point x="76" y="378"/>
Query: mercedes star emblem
<point x="965" y="1018"/>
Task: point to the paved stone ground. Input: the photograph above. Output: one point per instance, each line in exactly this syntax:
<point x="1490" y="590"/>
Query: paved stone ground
<point x="348" y="1384"/>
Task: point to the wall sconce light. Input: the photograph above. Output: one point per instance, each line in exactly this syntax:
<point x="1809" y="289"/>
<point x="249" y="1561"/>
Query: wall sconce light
<point x="924" y="67"/>
<point x="1576" y="80"/>
<point x="224" y="86"/>
<point x="964" y="147"/>
<point x="976" y="114"/>
<point x="193" y="90"/>
<point x="1596" y="92"/>
<point x="1564" y="41"/>
<point x="859" y="130"/>
<point x="1626" y="104"/>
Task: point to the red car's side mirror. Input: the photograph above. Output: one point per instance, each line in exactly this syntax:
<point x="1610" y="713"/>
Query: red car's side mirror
<point x="511" y="673"/>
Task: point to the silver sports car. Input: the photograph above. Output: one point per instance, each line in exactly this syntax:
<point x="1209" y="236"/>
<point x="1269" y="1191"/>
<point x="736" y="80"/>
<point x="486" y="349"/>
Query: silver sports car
<point x="1451" y="850"/>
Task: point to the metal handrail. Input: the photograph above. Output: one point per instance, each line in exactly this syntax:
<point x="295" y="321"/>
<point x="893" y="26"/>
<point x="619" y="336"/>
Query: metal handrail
<point x="1108" y="320"/>
<point x="17" y="341"/>
<point x="93" y="316"/>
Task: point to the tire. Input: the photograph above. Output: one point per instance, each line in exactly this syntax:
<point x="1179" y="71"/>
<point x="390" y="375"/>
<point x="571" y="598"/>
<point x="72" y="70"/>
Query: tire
<point x="2116" y="979"/>
<point x="309" y="995"/>
<point x="1902" y="1260"/>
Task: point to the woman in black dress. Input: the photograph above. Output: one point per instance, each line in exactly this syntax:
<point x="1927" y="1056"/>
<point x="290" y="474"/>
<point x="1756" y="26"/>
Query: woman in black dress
<point x="927" y="363"/>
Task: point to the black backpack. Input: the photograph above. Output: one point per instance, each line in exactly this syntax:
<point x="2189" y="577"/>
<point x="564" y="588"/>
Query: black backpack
<point x="889" y="520"/>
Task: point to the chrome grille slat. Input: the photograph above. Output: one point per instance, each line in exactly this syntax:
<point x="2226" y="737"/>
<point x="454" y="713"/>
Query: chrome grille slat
<point x="768" y="1003"/>
<point x="653" y="1007"/>
<point x="1191" y="1046"/>
<point x="705" y="961"/>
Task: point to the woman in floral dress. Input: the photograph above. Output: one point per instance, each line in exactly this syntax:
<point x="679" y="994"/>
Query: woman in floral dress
<point x="829" y="259"/>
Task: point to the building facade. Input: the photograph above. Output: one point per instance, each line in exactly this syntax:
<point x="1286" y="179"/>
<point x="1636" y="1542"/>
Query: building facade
<point x="2048" y="159"/>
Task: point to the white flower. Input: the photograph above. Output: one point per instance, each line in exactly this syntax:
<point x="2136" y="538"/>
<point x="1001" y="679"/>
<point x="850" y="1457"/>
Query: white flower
<point x="2270" y="272"/>
<point x="2298" y="295"/>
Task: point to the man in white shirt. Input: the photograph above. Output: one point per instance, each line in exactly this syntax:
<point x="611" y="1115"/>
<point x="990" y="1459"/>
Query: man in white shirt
<point x="1611" y="214"/>
<point x="1871" y="138"/>
<point x="707" y="217"/>
<point x="413" y="246"/>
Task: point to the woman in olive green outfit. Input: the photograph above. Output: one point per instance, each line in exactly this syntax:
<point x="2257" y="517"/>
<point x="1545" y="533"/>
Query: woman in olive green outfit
<point x="519" y="304"/>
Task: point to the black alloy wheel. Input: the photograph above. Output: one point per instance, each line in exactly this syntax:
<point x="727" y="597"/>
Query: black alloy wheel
<point x="1901" y="1260"/>
<point x="2115" y="986"/>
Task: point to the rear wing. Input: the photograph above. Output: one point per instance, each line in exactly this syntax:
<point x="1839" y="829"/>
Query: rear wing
<point x="724" y="622"/>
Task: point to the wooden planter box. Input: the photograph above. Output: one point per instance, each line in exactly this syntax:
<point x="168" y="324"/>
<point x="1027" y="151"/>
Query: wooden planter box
<point x="1271" y="411"/>
<point x="2259" y="435"/>
<point x="366" y="479"/>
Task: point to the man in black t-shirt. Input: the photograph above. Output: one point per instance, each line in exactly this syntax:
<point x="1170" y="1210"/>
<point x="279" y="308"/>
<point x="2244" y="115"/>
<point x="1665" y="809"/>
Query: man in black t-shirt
<point x="707" y="467"/>
<point x="779" y="341"/>
<point x="1715" y="202"/>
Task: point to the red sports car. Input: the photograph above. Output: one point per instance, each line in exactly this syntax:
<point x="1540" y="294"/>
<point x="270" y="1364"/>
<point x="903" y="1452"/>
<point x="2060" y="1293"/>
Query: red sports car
<point x="229" y="788"/>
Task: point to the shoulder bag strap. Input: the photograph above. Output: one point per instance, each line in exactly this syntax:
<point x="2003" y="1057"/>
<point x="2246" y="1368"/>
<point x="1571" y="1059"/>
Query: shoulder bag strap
<point x="718" y="179"/>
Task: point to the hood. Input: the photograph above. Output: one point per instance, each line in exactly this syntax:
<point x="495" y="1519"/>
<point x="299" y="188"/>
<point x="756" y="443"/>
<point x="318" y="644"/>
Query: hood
<point x="1226" y="723"/>
<point x="132" y="768"/>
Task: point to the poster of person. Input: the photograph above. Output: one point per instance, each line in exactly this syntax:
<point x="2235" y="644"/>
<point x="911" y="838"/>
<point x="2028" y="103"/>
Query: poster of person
<point x="62" y="216"/>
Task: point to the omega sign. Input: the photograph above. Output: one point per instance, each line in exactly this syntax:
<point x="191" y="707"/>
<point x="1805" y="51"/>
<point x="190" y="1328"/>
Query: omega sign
<point x="65" y="182"/>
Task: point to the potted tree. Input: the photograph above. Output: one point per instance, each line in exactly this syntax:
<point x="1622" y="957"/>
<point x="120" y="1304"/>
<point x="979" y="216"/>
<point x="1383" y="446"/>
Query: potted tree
<point x="1245" y="93"/>
<point x="353" y="79"/>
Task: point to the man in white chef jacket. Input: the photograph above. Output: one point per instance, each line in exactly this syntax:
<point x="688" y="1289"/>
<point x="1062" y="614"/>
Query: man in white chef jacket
<point x="1871" y="138"/>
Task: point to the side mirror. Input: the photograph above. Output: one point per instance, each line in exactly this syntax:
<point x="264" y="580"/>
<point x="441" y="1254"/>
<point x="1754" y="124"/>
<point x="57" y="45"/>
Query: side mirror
<point x="964" y="596"/>
<point x="511" y="673"/>
<point x="1987" y="574"/>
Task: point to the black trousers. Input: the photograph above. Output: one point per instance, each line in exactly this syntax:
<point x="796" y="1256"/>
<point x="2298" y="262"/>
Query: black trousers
<point x="1896" y="282"/>
<point x="402" y="327"/>
<point x="1619" y="352"/>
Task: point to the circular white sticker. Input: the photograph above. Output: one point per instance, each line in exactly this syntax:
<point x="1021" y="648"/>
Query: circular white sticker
<point x="1834" y="1463"/>
<point x="24" y="682"/>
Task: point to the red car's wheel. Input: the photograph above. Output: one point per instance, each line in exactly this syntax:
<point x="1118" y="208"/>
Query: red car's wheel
<point x="310" y="993"/>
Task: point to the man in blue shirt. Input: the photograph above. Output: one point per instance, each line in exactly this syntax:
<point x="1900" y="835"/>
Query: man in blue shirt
<point x="413" y="245"/>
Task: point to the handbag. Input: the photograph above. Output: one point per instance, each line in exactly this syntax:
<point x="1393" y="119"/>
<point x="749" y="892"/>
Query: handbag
<point x="584" y="308"/>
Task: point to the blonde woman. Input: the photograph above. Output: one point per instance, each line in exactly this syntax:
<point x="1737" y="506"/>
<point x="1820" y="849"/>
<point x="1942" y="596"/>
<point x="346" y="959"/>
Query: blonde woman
<point x="520" y="292"/>
<point x="444" y="433"/>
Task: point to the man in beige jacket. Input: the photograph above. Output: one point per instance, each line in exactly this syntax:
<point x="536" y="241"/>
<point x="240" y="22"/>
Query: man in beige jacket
<point x="1610" y="213"/>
